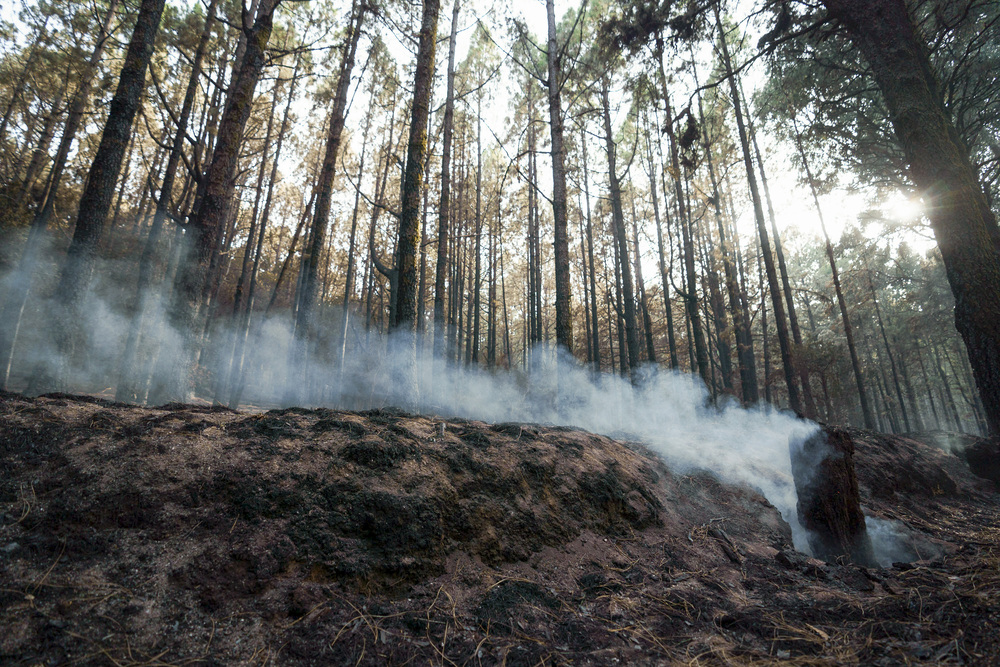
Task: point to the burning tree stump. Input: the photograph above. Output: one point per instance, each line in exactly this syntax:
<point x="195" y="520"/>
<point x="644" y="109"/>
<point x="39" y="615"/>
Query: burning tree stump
<point x="829" y="505"/>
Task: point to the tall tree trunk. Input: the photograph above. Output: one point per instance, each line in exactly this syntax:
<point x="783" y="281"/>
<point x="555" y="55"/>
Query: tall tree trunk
<point x="691" y="288"/>
<point x="866" y="409"/>
<point x="321" y="218"/>
<point x="238" y="371"/>
<point x="911" y="396"/>
<point x="927" y="383"/>
<point x="73" y="119"/>
<point x="772" y="277"/>
<point x="444" y="207"/>
<point x="491" y="296"/>
<point x="586" y="287"/>
<point x="809" y="402"/>
<point x="620" y="326"/>
<point x="95" y="202"/>
<point x="647" y="320"/>
<point x="564" y="321"/>
<point x="952" y="405"/>
<point x="413" y="179"/>
<point x="207" y="222"/>
<point x="744" y="341"/>
<point x="17" y="296"/>
<point x="503" y="296"/>
<point x="22" y="78"/>
<point x="595" y="335"/>
<point x="964" y="226"/>
<point x="536" y="242"/>
<point x="352" y="242"/>
<point x="663" y="266"/>
<point x="621" y="241"/>
<point x="477" y="276"/>
<point x="41" y="150"/>
<point x="768" y="396"/>
<point x="279" y="280"/>
<point x="228" y="371"/>
<point x="696" y="341"/>
<point x="717" y="307"/>
<point x="888" y="353"/>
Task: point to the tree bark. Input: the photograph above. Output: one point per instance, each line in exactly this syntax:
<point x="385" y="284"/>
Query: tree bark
<point x="564" y="321"/>
<point x="444" y="207"/>
<point x="321" y="218"/>
<point x="413" y="178"/>
<point x="939" y="164"/>
<point x="103" y="175"/>
<point x="207" y="223"/>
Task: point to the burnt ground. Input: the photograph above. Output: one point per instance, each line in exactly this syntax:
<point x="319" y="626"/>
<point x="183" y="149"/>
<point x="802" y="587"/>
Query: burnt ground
<point x="186" y="535"/>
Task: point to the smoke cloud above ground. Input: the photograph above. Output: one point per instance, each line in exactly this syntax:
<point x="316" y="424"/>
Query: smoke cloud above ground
<point x="668" y="411"/>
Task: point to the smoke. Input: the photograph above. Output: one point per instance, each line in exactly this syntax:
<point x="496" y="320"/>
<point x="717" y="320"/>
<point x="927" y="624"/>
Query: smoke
<point x="893" y="542"/>
<point x="670" y="412"/>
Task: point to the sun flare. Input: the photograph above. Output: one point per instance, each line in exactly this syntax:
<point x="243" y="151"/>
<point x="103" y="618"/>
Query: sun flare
<point x="903" y="208"/>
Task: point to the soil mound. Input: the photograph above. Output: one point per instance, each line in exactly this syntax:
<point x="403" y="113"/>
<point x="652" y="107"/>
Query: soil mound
<point x="195" y="535"/>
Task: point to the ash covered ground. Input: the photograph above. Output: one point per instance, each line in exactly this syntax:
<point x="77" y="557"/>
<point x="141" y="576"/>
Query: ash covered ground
<point x="186" y="535"/>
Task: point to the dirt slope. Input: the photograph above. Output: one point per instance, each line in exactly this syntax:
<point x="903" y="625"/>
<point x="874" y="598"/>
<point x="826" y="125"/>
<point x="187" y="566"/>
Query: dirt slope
<point x="188" y="535"/>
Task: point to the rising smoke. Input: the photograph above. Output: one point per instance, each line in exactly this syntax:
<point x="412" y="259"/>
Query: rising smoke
<point x="668" y="411"/>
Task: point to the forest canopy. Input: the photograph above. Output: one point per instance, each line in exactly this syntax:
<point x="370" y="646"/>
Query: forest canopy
<point x="346" y="202"/>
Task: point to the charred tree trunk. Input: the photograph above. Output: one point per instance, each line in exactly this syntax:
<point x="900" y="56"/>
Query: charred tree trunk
<point x="829" y="504"/>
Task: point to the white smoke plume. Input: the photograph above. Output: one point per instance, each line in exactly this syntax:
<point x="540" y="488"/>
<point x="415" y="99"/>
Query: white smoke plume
<point x="670" y="412"/>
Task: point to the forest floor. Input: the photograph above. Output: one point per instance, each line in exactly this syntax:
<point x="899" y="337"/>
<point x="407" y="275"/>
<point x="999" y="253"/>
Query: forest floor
<point x="186" y="535"/>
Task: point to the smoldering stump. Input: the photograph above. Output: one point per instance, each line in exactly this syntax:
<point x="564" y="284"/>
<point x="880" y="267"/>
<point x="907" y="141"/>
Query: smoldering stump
<point x="829" y="504"/>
